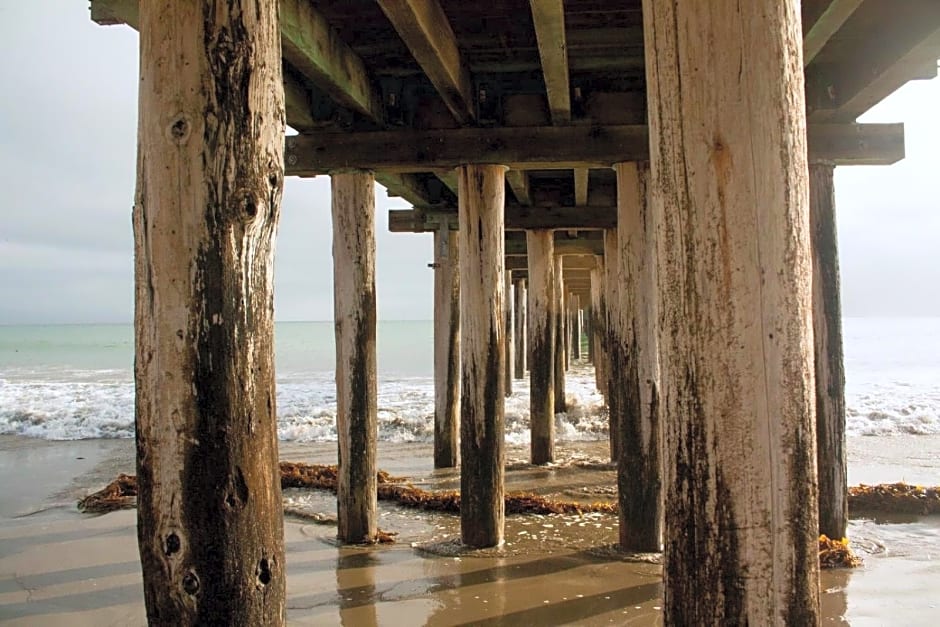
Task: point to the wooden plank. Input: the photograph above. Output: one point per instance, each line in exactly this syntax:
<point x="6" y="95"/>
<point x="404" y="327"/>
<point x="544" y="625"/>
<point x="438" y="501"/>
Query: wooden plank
<point x="516" y="218"/>
<point x="541" y="341"/>
<point x="826" y="24"/>
<point x="548" y="16"/>
<point x="353" y="210"/>
<point x="446" y="348"/>
<point x="423" y="26"/>
<point x="581" y="180"/>
<point x="734" y="279"/>
<point x="907" y="41"/>
<point x="828" y="357"/>
<point x="482" y="441"/>
<point x="548" y="147"/>
<point x="211" y="536"/>
<point x="519" y="183"/>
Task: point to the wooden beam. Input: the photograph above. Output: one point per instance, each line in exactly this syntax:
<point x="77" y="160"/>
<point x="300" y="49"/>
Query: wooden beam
<point x="407" y="186"/>
<point x="314" y="48"/>
<point x="549" y="147"/>
<point x="580" y="246"/>
<point x="548" y="16"/>
<point x="581" y="179"/>
<point x="516" y="218"/>
<point x="423" y="26"/>
<point x="519" y="183"/>
<point x="906" y="42"/>
<point x="825" y="25"/>
<point x="113" y="12"/>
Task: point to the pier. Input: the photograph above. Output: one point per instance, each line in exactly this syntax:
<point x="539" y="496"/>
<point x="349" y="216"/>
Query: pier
<point x="661" y="170"/>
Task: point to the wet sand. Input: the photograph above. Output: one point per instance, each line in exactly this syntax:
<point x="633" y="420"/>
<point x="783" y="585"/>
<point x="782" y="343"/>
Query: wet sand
<point x="59" y="567"/>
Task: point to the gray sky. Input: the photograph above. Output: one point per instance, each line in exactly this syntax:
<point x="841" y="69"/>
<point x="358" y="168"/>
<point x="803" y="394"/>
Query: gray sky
<point x="68" y="116"/>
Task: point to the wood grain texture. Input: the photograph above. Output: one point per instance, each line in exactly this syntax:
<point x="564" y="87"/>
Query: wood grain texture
<point x="613" y="366"/>
<point x="828" y="357"/>
<point x="730" y="204"/>
<point x="446" y="348"/>
<point x="561" y="343"/>
<point x="640" y="466"/>
<point x="482" y="356"/>
<point x="209" y="184"/>
<point x="354" y="315"/>
<point x="521" y="324"/>
<point x="541" y="357"/>
<point x="509" y="344"/>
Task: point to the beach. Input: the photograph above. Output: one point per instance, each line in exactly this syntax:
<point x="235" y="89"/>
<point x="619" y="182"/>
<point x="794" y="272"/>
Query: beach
<point x="61" y="567"/>
<point x="66" y="430"/>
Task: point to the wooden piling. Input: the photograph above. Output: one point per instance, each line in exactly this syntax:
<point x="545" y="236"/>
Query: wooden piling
<point x="355" y="319"/>
<point x="575" y="318"/>
<point x="730" y="202"/>
<point x="540" y="246"/>
<point x="598" y="325"/>
<point x="520" y="332"/>
<point x="639" y="469"/>
<point x="481" y="237"/>
<point x="561" y="343"/>
<point x="613" y="355"/>
<point x="446" y="348"/>
<point x="830" y="373"/>
<point x="509" y="342"/>
<point x="209" y="184"/>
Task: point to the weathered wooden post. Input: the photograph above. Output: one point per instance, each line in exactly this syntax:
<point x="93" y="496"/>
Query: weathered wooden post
<point x="209" y="182"/>
<point x="481" y="204"/>
<point x="520" y="332"/>
<point x="730" y="205"/>
<point x="508" y="344"/>
<point x="599" y="324"/>
<point x="613" y="368"/>
<point x="540" y="246"/>
<point x="830" y="373"/>
<point x="589" y="328"/>
<point x="639" y="470"/>
<point x="355" y="319"/>
<point x="574" y="316"/>
<point x="446" y="348"/>
<point x="561" y="342"/>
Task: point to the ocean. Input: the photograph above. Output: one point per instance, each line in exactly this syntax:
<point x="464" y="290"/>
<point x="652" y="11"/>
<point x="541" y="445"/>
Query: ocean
<point x="71" y="382"/>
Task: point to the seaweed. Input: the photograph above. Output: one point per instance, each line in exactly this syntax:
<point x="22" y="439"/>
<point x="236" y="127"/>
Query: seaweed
<point x="895" y="498"/>
<point x="836" y="553"/>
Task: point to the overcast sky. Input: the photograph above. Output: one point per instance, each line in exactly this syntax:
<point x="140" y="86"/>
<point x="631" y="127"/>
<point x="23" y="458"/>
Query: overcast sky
<point x="68" y="116"/>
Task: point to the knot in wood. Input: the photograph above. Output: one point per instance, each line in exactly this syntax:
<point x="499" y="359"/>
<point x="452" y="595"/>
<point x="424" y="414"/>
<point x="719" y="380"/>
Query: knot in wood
<point x="179" y="130"/>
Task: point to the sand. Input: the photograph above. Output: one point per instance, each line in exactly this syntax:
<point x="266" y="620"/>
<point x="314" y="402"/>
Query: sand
<point x="59" y="567"/>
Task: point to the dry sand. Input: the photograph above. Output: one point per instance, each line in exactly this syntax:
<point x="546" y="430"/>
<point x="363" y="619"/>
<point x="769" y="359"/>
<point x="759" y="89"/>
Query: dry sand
<point x="58" y="567"/>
